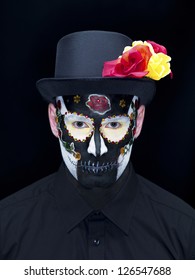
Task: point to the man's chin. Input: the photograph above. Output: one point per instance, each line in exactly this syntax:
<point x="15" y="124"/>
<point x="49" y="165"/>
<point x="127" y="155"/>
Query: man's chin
<point x="104" y="180"/>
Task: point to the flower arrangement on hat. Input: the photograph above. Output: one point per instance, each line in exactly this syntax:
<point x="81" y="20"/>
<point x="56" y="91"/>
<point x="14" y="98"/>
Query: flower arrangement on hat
<point x="142" y="59"/>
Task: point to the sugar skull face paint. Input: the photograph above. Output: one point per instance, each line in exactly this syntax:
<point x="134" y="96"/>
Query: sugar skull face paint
<point x="96" y="144"/>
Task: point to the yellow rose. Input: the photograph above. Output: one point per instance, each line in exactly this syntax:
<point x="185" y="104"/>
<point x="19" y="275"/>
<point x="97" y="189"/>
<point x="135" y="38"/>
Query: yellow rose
<point x="137" y="43"/>
<point x="127" y="48"/>
<point x="158" y="66"/>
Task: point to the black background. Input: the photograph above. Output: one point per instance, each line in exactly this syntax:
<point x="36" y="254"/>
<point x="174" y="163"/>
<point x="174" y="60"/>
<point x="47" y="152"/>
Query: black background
<point x="30" y="30"/>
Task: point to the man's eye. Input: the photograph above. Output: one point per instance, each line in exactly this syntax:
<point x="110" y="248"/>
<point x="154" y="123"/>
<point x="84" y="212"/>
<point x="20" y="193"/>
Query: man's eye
<point x="80" y="125"/>
<point x="113" y="125"/>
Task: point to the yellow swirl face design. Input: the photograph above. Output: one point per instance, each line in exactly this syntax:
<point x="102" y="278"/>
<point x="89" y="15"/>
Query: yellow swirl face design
<point x="115" y="128"/>
<point x="79" y="127"/>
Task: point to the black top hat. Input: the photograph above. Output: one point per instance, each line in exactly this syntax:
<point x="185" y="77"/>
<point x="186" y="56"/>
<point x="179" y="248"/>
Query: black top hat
<point x="80" y="59"/>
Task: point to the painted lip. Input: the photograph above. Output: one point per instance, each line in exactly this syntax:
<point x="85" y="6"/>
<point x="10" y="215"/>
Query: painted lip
<point x="90" y="167"/>
<point x="96" y="167"/>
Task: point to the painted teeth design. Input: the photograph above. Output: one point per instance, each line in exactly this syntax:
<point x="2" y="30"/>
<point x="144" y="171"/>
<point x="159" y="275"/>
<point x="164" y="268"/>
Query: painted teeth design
<point x="95" y="167"/>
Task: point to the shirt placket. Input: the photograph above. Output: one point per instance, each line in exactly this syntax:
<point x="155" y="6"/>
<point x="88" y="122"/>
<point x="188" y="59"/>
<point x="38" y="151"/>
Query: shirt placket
<point x="96" y="235"/>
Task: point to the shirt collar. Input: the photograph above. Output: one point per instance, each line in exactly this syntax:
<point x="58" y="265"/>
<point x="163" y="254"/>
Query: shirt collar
<point x="120" y="209"/>
<point x="75" y="209"/>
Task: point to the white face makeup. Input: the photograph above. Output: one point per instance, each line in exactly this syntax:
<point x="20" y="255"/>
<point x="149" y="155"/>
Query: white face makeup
<point x="123" y="160"/>
<point x="92" y="147"/>
<point x="69" y="159"/>
<point x="67" y="150"/>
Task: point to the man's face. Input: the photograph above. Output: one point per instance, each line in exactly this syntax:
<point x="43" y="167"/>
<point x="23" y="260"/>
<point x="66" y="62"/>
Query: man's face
<point x="96" y="134"/>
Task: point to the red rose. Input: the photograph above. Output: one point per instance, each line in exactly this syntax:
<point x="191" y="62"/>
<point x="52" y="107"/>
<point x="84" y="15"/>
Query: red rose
<point x="98" y="103"/>
<point x="157" y="48"/>
<point x="133" y="63"/>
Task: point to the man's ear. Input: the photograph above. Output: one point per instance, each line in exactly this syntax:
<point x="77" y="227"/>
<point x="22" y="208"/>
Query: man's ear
<point x="140" y="120"/>
<point x="52" y="119"/>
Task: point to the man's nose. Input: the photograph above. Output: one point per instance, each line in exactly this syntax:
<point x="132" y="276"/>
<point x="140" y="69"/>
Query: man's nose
<point x="97" y="145"/>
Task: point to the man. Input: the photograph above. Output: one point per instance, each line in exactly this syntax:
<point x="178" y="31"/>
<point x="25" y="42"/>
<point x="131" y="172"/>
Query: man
<point x="95" y="206"/>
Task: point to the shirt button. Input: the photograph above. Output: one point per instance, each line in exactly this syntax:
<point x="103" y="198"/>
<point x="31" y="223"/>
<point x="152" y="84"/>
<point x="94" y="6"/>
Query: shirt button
<point x="96" y="242"/>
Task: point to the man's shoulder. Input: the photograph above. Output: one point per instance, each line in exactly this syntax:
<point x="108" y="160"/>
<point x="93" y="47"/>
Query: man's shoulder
<point x="30" y="192"/>
<point x="163" y="198"/>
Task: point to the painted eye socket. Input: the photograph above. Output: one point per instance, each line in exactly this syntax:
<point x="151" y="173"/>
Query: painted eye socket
<point x="115" y="128"/>
<point x="79" y="125"/>
<point x="113" y="125"/>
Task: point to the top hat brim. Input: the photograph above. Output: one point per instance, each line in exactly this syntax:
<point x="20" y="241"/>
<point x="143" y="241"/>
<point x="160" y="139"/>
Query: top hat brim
<point x="50" y="88"/>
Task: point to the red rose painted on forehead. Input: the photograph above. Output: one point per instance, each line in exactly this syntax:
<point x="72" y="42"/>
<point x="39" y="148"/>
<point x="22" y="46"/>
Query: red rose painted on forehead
<point x="99" y="104"/>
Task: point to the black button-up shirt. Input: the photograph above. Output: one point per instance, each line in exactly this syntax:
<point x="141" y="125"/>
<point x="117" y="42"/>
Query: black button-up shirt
<point x="51" y="220"/>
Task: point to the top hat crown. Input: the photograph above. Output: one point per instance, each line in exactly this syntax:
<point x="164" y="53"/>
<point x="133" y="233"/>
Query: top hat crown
<point x="80" y="58"/>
